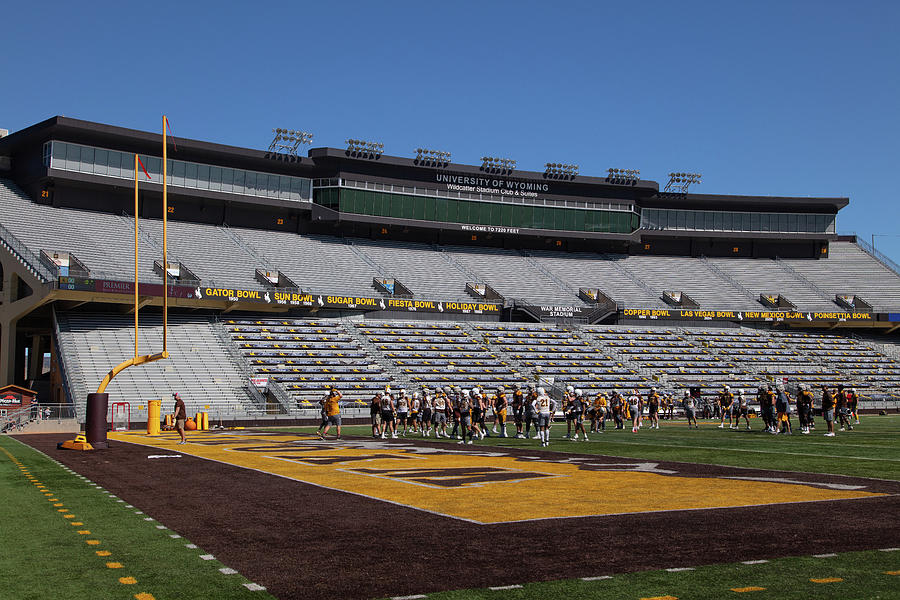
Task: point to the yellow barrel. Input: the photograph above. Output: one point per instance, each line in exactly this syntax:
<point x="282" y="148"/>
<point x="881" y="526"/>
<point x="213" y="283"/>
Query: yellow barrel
<point x="205" y="420"/>
<point x="154" y="407"/>
<point x="170" y="421"/>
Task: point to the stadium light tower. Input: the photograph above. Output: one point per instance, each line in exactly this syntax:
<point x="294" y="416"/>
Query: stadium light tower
<point x="493" y="164"/>
<point x="432" y="158"/>
<point x="288" y="140"/>
<point x="680" y="182"/>
<point x="560" y="171"/>
<point x="623" y="176"/>
<point x="364" y="149"/>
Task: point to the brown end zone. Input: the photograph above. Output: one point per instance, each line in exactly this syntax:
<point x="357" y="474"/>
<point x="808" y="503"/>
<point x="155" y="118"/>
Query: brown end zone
<point x="296" y="539"/>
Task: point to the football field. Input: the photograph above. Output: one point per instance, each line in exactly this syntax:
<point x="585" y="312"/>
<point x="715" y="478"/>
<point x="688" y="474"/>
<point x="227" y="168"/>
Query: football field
<point x="673" y="512"/>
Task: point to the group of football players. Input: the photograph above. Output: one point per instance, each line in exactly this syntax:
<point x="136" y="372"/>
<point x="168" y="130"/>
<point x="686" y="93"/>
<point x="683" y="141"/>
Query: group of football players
<point x="469" y="414"/>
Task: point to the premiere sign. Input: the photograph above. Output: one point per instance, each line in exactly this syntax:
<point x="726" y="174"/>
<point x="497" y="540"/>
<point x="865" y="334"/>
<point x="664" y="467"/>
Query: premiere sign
<point x="776" y="316"/>
<point x="282" y="298"/>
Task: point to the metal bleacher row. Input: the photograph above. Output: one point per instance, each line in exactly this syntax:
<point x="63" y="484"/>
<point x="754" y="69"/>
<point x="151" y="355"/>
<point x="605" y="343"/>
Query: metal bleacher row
<point x="229" y="257"/>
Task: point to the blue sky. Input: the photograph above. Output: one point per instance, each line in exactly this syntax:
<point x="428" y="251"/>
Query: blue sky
<point x="771" y="98"/>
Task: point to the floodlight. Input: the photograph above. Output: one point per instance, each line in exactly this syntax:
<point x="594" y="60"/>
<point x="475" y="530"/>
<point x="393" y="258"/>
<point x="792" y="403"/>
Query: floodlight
<point x="561" y="171"/>
<point x="623" y="176"/>
<point x="287" y="140"/>
<point x="680" y="182"/>
<point x="364" y="149"/>
<point x="433" y="158"/>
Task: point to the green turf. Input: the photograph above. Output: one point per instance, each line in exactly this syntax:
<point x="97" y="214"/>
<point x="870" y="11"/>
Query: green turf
<point x="43" y="557"/>
<point x="870" y="450"/>
<point x="864" y="576"/>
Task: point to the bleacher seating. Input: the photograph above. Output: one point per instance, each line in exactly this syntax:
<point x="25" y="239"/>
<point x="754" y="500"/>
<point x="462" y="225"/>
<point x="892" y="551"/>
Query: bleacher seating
<point x="439" y="354"/>
<point x="670" y="359"/>
<point x="324" y="264"/>
<point x="850" y="270"/>
<point x="419" y="267"/>
<point x="586" y="270"/>
<point x="691" y="276"/>
<point x="764" y="276"/>
<point x="103" y="242"/>
<point x="318" y="264"/>
<point x="561" y="354"/>
<point x="510" y="274"/>
<point x="198" y="367"/>
<point x="308" y="357"/>
<point x="209" y="252"/>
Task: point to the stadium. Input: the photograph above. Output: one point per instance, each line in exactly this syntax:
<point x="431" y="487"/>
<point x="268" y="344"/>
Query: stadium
<point x="276" y="276"/>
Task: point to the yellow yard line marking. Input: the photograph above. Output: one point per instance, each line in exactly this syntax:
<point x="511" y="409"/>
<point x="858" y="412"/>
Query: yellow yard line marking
<point x="827" y="580"/>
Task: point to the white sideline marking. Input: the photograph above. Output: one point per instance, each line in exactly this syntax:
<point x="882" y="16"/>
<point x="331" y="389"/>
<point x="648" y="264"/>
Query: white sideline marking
<point x="824" y="555"/>
<point x="120" y="500"/>
<point x="498" y="588"/>
<point x="753" y="562"/>
<point x="207" y="557"/>
<point x="756" y="451"/>
<point x="227" y="571"/>
<point x="164" y="456"/>
<point x="888" y="549"/>
<point x="148" y="518"/>
<point x="160" y="526"/>
<point x="174" y="536"/>
<point x="255" y="587"/>
<point x="598" y="578"/>
<point x="128" y="506"/>
<point x="835" y="486"/>
<point x="679" y="569"/>
<point x="137" y="512"/>
<point x="191" y="546"/>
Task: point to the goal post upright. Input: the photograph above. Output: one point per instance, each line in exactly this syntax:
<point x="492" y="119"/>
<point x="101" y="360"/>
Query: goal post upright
<point x="165" y="215"/>
<point x="137" y="359"/>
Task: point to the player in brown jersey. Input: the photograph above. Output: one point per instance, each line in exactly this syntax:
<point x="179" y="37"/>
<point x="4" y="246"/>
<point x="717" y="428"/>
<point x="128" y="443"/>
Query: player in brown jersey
<point x="518" y="408"/>
<point x="616" y="404"/>
<point x="853" y="405"/>
<point x="842" y="411"/>
<point x="725" y="400"/>
<point x="479" y="407"/>
<point x="576" y="410"/>
<point x="464" y="408"/>
<point x="653" y="408"/>
<point x="530" y="416"/>
<point x="375" y="413"/>
<point x="567" y="409"/>
<point x="804" y="407"/>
